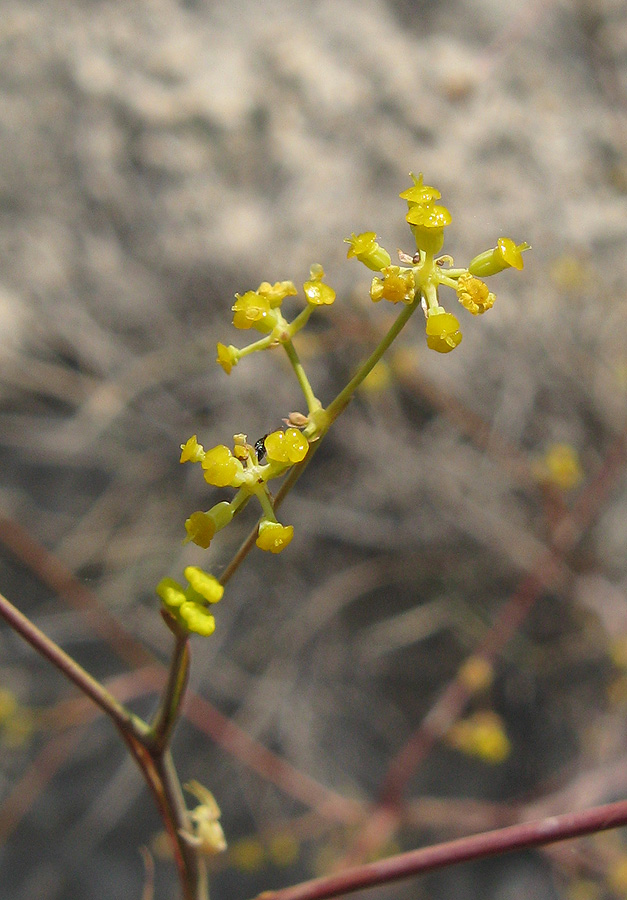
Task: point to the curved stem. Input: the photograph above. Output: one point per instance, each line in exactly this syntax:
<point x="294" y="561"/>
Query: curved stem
<point x="126" y="721"/>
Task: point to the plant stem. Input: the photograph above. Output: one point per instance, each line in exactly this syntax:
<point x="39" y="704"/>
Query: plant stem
<point x="126" y="721"/>
<point x="194" y="878"/>
<point x="342" y="400"/>
<point x="333" y="410"/>
<point x="312" y="401"/>
<point x="439" y="856"/>
<point x="167" y="714"/>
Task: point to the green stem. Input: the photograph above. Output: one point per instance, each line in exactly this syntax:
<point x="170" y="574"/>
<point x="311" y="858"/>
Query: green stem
<point x="342" y="400"/>
<point x="261" y="493"/>
<point x="301" y="320"/>
<point x="312" y="401"/>
<point x="258" y="345"/>
<point x="331" y="413"/>
<point x="167" y="714"/>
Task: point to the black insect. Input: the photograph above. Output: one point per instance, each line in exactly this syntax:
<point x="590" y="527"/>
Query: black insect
<point x="260" y="448"/>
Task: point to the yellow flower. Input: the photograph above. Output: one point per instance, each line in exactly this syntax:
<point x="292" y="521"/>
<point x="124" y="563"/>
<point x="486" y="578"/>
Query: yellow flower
<point x="473" y="294"/>
<point x="476" y="674"/>
<point x="290" y="445"/>
<point x="378" y="379"/>
<point x="284" y="849"/>
<point x="427" y="223"/>
<point x="252" y="310"/>
<point x="197" y="618"/>
<point x="188" y="606"/>
<point x="192" y="451"/>
<point x="222" y="468"/>
<point x="364" y="247"/>
<point x="443" y="332"/>
<point x="17" y="729"/>
<point x="419" y="193"/>
<point x="317" y="293"/>
<point x="171" y="593"/>
<point x="505" y="255"/>
<point x="482" y="735"/>
<point x="200" y="529"/>
<point x="617" y="876"/>
<point x="8" y="704"/>
<point x="227" y="357"/>
<point x="428" y="217"/>
<point x="273" y="536"/>
<point x="397" y="285"/>
<point x="276" y="293"/>
<point x="206" y="585"/>
<point x="560" y="467"/>
<point x="247" y="854"/>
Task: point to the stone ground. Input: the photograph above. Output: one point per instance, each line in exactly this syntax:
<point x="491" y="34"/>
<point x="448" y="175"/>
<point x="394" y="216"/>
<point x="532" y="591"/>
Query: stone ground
<point x="156" y="157"/>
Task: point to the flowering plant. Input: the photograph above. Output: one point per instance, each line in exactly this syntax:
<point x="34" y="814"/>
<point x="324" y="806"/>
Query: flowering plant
<point x="246" y="469"/>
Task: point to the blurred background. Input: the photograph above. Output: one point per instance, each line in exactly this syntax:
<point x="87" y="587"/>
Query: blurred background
<point x="155" y="158"/>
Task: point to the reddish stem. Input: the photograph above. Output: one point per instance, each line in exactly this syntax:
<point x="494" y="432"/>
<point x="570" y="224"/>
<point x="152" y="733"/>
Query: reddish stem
<point x="439" y="856"/>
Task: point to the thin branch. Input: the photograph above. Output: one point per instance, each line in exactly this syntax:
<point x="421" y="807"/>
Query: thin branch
<point x="439" y="856"/>
<point x="126" y="722"/>
<point x="169" y="706"/>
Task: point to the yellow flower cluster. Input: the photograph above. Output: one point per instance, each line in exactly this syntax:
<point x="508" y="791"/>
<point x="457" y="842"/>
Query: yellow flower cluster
<point x="188" y="606"/>
<point x="243" y="469"/>
<point x="420" y="281"/>
<point x="261" y="310"/>
<point x="248" y="468"/>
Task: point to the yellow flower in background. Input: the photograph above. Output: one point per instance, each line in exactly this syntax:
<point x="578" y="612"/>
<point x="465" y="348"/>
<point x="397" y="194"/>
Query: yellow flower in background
<point x="247" y="854"/>
<point x="378" y="380"/>
<point x="283" y="849"/>
<point x="482" y="735"/>
<point x="560" y="467"/>
<point x="617" y="876"/>
<point x="476" y="674"/>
